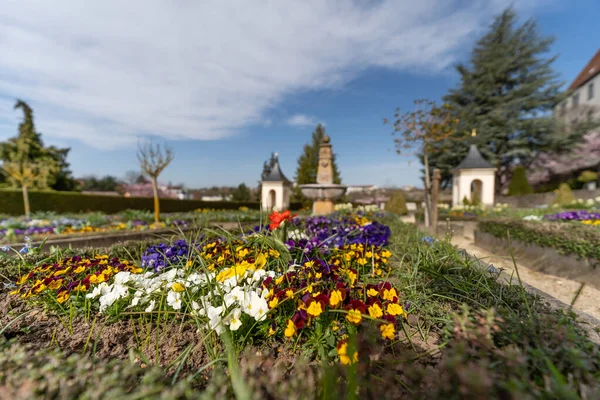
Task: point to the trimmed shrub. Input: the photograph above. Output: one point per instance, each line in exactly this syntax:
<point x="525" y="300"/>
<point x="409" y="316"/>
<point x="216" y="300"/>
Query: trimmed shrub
<point x="564" y="195"/>
<point x="397" y="204"/>
<point x="588" y="176"/>
<point x="519" y="185"/>
<point x="11" y="202"/>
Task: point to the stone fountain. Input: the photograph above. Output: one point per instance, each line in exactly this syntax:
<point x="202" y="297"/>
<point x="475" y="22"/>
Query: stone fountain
<point x="324" y="192"/>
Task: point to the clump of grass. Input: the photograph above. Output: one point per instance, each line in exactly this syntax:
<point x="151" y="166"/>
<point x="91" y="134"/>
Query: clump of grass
<point x="500" y="340"/>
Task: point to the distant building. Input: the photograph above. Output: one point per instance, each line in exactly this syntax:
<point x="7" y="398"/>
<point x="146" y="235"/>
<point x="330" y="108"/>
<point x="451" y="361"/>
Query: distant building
<point x="216" y="198"/>
<point x="164" y="191"/>
<point x="583" y="100"/>
<point x="360" y="188"/>
<point x="276" y="189"/>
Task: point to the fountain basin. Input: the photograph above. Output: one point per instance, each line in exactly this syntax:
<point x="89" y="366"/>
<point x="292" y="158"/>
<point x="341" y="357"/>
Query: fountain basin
<point x="320" y="191"/>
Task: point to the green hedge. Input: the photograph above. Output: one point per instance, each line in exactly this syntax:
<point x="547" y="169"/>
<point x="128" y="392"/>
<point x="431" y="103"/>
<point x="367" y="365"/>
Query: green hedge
<point x="566" y="238"/>
<point x="11" y="202"/>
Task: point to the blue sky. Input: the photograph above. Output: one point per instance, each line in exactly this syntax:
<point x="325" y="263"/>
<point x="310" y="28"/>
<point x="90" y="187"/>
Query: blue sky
<point x="224" y="84"/>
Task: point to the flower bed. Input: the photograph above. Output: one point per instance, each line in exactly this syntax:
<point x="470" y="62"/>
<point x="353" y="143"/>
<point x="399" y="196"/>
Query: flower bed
<point x="583" y="216"/>
<point x="569" y="239"/>
<point x="49" y="224"/>
<point x="12" y="228"/>
<point x="232" y="283"/>
<point x="227" y="315"/>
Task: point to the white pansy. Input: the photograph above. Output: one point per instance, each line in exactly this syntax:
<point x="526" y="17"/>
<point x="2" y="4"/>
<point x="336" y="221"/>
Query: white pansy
<point x="136" y="299"/>
<point x="234" y="296"/>
<point x="98" y="290"/>
<point x="215" y="320"/>
<point x="170" y="275"/>
<point x="116" y="292"/>
<point x="258" y="275"/>
<point x="122" y="277"/>
<point x="297" y="235"/>
<point x="196" y="279"/>
<point x="234" y="319"/>
<point x="150" y="307"/>
<point x="255" y="306"/>
<point x="174" y="300"/>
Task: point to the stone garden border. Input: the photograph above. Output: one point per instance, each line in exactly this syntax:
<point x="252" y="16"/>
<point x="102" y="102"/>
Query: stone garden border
<point x="544" y="259"/>
<point x="588" y="323"/>
<point x="110" y="238"/>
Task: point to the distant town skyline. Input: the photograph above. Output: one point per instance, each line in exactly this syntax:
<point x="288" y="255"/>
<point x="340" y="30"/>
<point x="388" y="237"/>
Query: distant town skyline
<point x="226" y="84"/>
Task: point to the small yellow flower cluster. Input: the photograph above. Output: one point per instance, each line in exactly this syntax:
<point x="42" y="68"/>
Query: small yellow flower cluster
<point x="72" y="274"/>
<point x="233" y="258"/>
<point x="595" y="222"/>
<point x="369" y="260"/>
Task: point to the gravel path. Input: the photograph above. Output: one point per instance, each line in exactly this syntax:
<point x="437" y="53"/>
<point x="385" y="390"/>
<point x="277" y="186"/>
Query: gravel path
<point x="561" y="288"/>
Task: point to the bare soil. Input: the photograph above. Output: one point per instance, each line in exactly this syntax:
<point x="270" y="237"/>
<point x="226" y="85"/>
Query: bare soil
<point x="159" y="345"/>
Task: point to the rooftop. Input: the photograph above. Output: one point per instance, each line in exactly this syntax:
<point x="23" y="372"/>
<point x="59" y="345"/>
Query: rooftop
<point x="474" y="160"/>
<point x="591" y="70"/>
<point x="275" y="174"/>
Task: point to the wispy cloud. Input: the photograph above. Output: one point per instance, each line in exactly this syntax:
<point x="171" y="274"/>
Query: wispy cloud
<point x="301" y="120"/>
<point x="106" y="72"/>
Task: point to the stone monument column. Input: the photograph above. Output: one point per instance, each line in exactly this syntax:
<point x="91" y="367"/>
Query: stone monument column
<point x="324" y="177"/>
<point x="324" y="191"/>
<point x="325" y="169"/>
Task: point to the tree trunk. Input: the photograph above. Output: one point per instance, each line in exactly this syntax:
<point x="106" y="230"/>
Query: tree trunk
<point x="435" y="190"/>
<point x="427" y="187"/>
<point x="156" y="203"/>
<point x="26" y="201"/>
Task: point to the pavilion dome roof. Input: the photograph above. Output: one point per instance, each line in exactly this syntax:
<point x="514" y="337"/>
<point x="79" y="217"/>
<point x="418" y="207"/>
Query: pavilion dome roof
<point x="474" y="160"/>
<point x="275" y="174"/>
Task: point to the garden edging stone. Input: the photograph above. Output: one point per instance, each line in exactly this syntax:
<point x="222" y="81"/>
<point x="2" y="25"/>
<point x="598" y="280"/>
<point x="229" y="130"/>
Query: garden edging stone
<point x="587" y="322"/>
<point x="543" y="259"/>
<point x="108" y="239"/>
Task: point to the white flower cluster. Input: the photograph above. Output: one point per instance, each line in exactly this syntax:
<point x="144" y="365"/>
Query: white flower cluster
<point x="532" y="218"/>
<point x="297" y="235"/>
<point x="221" y="302"/>
<point x="343" y="207"/>
<point x="466" y="207"/>
<point x="499" y="207"/>
<point x="368" y="208"/>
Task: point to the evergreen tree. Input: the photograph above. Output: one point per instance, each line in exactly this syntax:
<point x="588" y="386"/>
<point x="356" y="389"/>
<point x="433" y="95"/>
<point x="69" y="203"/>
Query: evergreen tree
<point x="564" y="195"/>
<point x="241" y="193"/>
<point x="446" y="155"/>
<point x="397" y="204"/>
<point x="25" y="162"/>
<point x="58" y="176"/>
<point x="507" y="93"/>
<point x="518" y="183"/>
<point x="267" y="165"/>
<point x="306" y="172"/>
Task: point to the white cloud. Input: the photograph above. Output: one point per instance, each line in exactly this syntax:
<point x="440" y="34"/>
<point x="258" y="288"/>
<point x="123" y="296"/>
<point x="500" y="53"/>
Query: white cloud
<point x="106" y="72"/>
<point x="301" y="120"/>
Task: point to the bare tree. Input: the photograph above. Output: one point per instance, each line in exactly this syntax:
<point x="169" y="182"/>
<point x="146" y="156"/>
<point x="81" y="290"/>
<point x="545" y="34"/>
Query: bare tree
<point x="422" y="128"/>
<point x="153" y="160"/>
